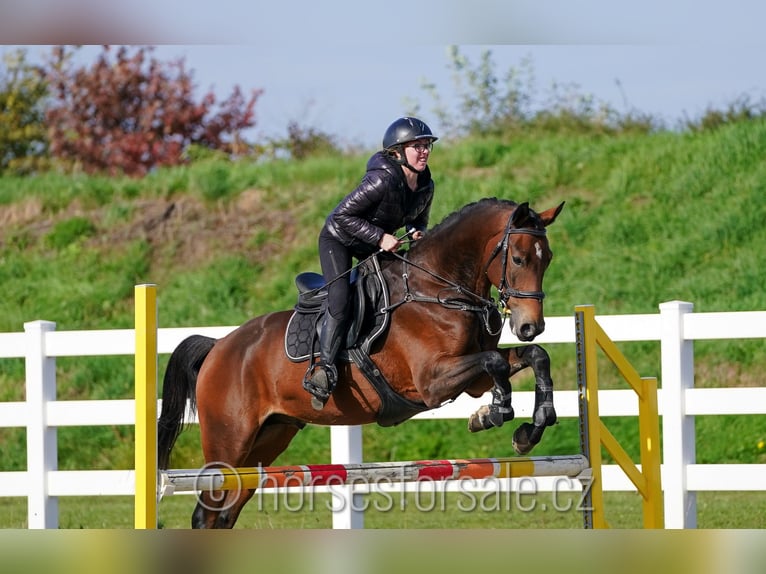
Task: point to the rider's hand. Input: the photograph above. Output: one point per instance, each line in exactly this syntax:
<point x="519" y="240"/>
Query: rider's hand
<point x="417" y="235"/>
<point x="389" y="243"/>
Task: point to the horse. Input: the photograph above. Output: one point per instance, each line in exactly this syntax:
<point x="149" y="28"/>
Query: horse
<point x="441" y="341"/>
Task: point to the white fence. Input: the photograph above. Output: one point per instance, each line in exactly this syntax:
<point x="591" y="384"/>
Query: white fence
<point x="676" y="327"/>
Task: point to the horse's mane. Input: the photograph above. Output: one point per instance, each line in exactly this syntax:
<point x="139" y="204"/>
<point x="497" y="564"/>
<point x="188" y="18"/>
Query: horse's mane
<point x="482" y="204"/>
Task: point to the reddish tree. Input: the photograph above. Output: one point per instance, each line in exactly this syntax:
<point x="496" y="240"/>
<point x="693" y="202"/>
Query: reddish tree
<point x="135" y="113"/>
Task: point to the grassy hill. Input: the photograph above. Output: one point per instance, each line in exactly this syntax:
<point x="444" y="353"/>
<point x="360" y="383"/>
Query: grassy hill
<point x="649" y="218"/>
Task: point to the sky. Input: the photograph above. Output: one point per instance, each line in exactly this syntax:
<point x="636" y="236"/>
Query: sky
<point x="349" y="68"/>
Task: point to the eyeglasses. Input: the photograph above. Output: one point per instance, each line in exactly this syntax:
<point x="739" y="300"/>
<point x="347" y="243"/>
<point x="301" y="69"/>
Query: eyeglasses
<point x="421" y="147"/>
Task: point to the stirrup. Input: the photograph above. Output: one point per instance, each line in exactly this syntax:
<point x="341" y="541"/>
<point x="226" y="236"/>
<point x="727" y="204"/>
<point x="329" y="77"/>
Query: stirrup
<point x="321" y="383"/>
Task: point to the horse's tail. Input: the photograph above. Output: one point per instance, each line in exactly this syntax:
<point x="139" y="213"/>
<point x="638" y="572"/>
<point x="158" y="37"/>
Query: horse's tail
<point x="179" y="385"/>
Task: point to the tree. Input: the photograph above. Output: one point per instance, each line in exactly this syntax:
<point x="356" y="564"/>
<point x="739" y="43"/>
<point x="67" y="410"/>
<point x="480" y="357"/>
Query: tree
<point x="133" y="113"/>
<point x="22" y="133"/>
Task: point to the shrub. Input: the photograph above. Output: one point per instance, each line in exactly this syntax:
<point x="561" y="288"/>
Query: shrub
<point x="22" y="133"/>
<point x="134" y="113"/>
<point x="303" y="142"/>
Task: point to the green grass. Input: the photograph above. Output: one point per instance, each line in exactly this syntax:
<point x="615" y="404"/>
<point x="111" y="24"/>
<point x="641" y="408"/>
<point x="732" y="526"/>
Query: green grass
<point x="425" y="510"/>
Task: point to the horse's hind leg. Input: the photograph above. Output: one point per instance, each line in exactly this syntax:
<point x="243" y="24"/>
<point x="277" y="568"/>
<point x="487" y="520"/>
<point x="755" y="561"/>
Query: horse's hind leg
<point x="217" y="510"/>
<point x="214" y="508"/>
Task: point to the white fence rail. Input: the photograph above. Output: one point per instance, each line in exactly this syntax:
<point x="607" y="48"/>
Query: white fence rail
<point x="676" y="327"/>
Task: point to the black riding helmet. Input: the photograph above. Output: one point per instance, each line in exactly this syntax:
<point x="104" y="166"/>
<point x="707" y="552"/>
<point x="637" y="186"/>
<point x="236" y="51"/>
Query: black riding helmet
<point x="405" y="130"/>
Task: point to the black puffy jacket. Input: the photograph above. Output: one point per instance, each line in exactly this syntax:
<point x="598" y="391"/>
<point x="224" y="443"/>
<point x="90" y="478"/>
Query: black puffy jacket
<point x="381" y="203"/>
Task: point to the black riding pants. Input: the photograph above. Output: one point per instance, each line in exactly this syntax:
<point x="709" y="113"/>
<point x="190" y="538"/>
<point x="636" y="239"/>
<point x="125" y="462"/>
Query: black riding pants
<point x="335" y="259"/>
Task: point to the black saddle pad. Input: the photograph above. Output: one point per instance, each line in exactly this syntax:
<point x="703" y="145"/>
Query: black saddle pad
<point x="302" y="335"/>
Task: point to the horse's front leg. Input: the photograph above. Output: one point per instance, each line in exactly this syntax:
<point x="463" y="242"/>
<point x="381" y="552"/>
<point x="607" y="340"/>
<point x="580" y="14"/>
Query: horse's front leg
<point x="499" y="411"/>
<point x="544" y="415"/>
<point x="447" y="377"/>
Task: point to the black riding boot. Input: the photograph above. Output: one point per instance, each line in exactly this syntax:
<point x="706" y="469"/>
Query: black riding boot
<point x="325" y="374"/>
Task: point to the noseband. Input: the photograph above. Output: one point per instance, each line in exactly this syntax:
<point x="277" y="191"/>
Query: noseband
<point x="504" y="289"/>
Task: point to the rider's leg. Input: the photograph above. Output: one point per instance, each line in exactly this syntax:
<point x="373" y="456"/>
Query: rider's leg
<point x="325" y="375"/>
<point x="336" y="260"/>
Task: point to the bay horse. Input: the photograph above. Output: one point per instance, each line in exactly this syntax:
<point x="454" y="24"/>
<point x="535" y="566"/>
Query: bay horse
<point x="441" y="341"/>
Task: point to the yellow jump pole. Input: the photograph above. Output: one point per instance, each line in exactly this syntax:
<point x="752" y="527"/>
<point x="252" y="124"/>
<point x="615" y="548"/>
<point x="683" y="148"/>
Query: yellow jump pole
<point x="594" y="433"/>
<point x="590" y="422"/>
<point x="146" y="406"/>
<point x="649" y="432"/>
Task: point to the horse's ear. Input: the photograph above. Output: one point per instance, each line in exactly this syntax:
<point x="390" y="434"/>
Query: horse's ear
<point x="520" y="215"/>
<point x="549" y="215"/>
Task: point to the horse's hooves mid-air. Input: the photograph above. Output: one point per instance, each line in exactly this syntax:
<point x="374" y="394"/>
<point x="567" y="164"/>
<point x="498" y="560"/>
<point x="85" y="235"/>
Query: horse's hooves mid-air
<point x="526" y="437"/>
<point x="489" y="416"/>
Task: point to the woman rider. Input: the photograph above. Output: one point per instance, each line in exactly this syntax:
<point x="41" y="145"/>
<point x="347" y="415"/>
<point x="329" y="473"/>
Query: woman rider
<point x="395" y="192"/>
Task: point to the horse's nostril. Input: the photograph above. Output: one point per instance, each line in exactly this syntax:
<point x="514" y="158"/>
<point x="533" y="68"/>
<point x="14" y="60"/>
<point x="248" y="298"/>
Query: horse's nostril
<point x="527" y="331"/>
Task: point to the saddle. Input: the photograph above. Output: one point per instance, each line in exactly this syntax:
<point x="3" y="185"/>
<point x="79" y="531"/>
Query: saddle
<point x="369" y="320"/>
<point x="367" y="323"/>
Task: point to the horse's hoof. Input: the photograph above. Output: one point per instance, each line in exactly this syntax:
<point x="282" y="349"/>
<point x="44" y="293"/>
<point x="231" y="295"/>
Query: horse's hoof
<point x="479" y="421"/>
<point x="525" y="438"/>
<point x="521" y="441"/>
<point x="475" y="424"/>
<point x="489" y="416"/>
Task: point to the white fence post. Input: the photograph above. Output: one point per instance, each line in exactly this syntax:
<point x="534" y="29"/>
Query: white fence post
<point x="678" y="436"/>
<point x="42" y="444"/>
<point x="346" y="448"/>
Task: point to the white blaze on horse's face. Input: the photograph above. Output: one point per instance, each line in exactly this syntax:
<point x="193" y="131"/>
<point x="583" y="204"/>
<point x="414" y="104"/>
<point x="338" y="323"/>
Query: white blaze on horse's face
<point x="538" y="250"/>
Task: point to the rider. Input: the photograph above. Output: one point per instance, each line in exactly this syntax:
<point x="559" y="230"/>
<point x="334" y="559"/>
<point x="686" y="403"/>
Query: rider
<point x="396" y="191"/>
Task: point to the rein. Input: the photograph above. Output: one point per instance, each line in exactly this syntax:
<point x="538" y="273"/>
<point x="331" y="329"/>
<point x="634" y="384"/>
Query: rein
<point x="486" y="307"/>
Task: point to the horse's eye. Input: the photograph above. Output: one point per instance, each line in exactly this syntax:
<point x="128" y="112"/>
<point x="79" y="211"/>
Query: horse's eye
<point x="517" y="261"/>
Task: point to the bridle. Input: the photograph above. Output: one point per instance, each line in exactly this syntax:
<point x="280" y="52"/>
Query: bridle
<point x="504" y="289"/>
